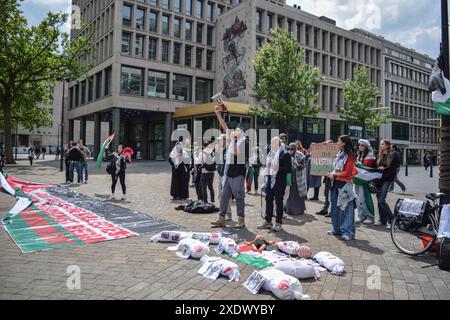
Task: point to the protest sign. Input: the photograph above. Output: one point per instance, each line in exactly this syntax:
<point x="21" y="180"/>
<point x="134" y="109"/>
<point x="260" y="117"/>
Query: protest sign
<point x="322" y="158"/>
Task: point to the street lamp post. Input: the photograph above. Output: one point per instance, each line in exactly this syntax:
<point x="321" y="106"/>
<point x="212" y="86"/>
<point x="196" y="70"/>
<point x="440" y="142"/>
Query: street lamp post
<point x="61" y="143"/>
<point x="444" y="179"/>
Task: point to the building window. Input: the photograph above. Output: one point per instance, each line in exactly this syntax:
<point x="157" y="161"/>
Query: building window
<point x="177" y="6"/>
<point x="71" y="97"/>
<point x="140" y="18"/>
<point x="209" y="36"/>
<point x="153" y="22"/>
<point x="176" y="53"/>
<point x="269" y="21"/>
<point x="154" y="2"/>
<point x="139" y="49"/>
<point x="258" y="20"/>
<point x="177" y="27"/>
<point x="188" y="7"/>
<point x="98" y="85"/>
<point x="126" y="15"/>
<point x="108" y="81"/>
<point x="158" y="84"/>
<point x="165" y="24"/>
<point x="90" y="89"/>
<point x="126" y="43"/>
<point x="258" y="43"/>
<point x="188" y="56"/>
<point x="165" y="51"/>
<point x="166" y="4"/>
<point x="199" y="32"/>
<point x="77" y="95"/>
<point x="83" y="92"/>
<point x="209" y="59"/>
<point x="209" y="12"/>
<point x="152" y="43"/>
<point x="131" y="81"/>
<point x="182" y="87"/>
<point x="219" y="11"/>
<point x="198" y="58"/>
<point x="188" y="30"/>
<point x="203" y="90"/>
<point x="199" y="9"/>
<point x="315" y="126"/>
<point x="400" y="131"/>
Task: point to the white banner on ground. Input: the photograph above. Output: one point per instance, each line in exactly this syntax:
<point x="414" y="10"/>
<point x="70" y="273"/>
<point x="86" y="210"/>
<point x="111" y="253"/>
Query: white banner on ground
<point x="444" y="224"/>
<point x="5" y="185"/>
<point x="21" y="204"/>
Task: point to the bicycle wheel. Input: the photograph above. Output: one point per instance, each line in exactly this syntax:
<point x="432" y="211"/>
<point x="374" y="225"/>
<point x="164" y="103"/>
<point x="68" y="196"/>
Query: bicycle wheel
<point x="412" y="239"/>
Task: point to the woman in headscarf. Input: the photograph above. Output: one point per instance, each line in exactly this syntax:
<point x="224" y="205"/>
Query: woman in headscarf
<point x="366" y="209"/>
<point x="295" y="204"/>
<point x="118" y="165"/>
<point x="180" y="160"/>
<point x="314" y="182"/>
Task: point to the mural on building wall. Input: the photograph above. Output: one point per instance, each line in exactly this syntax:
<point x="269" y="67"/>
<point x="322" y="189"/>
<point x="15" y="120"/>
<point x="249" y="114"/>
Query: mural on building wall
<point x="233" y="43"/>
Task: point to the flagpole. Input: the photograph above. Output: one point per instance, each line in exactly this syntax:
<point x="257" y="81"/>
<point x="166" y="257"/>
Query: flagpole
<point x="444" y="180"/>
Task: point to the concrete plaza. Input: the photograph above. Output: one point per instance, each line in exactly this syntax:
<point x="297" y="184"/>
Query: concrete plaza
<point x="135" y="268"/>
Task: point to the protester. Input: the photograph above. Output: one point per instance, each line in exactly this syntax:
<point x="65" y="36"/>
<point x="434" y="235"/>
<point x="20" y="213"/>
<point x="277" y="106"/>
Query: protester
<point x="197" y="169"/>
<point x="74" y="157"/>
<point x="118" y="166"/>
<point x="314" y="182"/>
<point x="44" y="151"/>
<point x="295" y="204"/>
<point x="341" y="193"/>
<point x="58" y="152"/>
<point x="221" y="150"/>
<point x="2" y="162"/>
<point x="253" y="170"/>
<point x="83" y="163"/>
<point x="326" y="193"/>
<point x="234" y="174"/>
<point x="397" y="163"/>
<point x="31" y="155"/>
<point x="208" y="169"/>
<point x="278" y="165"/>
<point x="37" y="152"/>
<point x="365" y="157"/>
<point x="180" y="161"/>
<point x="66" y="161"/>
<point x="385" y="163"/>
<point x="427" y="160"/>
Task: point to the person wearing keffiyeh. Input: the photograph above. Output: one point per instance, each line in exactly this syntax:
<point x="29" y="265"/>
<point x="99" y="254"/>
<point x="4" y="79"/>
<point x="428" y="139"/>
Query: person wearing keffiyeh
<point x="119" y="165"/>
<point x="180" y="160"/>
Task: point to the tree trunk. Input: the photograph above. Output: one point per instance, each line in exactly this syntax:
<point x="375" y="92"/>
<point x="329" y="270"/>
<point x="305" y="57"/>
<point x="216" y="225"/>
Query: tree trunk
<point x="7" y="131"/>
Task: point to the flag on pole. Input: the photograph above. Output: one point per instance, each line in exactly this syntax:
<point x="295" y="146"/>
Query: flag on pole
<point x="105" y="145"/>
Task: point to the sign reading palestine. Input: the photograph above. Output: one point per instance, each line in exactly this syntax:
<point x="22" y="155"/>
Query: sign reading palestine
<point x="322" y="158"/>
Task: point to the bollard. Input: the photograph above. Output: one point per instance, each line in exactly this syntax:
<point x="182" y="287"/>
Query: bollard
<point x="406" y="169"/>
<point x="431" y="171"/>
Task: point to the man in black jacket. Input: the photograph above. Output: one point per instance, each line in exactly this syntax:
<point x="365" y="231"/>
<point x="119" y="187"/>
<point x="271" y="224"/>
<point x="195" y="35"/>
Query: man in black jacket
<point x="74" y="157"/>
<point x="279" y="164"/>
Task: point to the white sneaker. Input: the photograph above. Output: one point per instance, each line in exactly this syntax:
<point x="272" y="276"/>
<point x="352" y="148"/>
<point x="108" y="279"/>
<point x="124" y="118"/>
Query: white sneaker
<point x="124" y="197"/>
<point x="388" y="226"/>
<point x="113" y="197"/>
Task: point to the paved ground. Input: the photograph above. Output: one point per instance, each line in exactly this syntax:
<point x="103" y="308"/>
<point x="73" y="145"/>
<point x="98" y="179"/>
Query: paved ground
<point x="134" y="268"/>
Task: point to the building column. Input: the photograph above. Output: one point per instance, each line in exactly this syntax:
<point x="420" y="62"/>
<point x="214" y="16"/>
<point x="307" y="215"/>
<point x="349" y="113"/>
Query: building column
<point x="71" y="124"/>
<point x="167" y="133"/>
<point x="115" y="127"/>
<point x="97" y="133"/>
<point x="327" y="129"/>
<point x="83" y="129"/>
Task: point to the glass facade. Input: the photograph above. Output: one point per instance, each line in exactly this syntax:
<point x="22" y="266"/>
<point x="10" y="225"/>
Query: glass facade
<point x="198" y="58"/>
<point x="131" y="81"/>
<point x="139" y="48"/>
<point x="152" y="46"/>
<point x="126" y="15"/>
<point x="158" y="84"/>
<point x="182" y="87"/>
<point x="188" y="10"/>
<point x="177" y="6"/>
<point x="108" y="81"/>
<point x="98" y="85"/>
<point x="153" y="22"/>
<point x="165" y="24"/>
<point x="176" y="53"/>
<point x="199" y="32"/>
<point x="140" y="18"/>
<point x="188" y="30"/>
<point x="203" y="89"/>
<point x="177" y="27"/>
<point x="209" y="59"/>
<point x="199" y="8"/>
<point x="188" y="56"/>
<point x="165" y="51"/>
<point x="126" y="43"/>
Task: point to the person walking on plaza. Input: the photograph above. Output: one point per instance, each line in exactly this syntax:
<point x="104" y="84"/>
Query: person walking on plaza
<point x="397" y="163"/>
<point x="221" y="150"/>
<point x="314" y="182"/>
<point x="341" y="193"/>
<point x="386" y="165"/>
<point x="234" y="174"/>
<point x="118" y="166"/>
<point x="83" y="163"/>
<point x="58" y="152"/>
<point x="427" y="160"/>
<point x="37" y="152"/>
<point x="180" y="160"/>
<point x="295" y="204"/>
<point x="366" y="210"/>
<point x="208" y="169"/>
<point x="278" y="165"/>
<point x="74" y="157"/>
<point x="44" y="151"/>
<point x="31" y="155"/>
<point x="253" y="171"/>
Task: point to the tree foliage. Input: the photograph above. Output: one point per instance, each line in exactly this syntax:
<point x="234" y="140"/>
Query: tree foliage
<point x="285" y="89"/>
<point x="360" y="95"/>
<point x="32" y="58"/>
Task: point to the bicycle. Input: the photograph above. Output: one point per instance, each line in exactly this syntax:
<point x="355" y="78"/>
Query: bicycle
<point x="415" y="225"/>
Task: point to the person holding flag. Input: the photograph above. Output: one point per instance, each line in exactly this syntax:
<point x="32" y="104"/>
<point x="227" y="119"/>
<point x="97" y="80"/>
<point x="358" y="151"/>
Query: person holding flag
<point x="105" y="145"/>
<point x="117" y="168"/>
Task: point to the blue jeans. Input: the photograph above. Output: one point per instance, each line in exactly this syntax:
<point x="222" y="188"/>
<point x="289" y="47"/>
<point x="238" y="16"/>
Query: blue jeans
<point x="84" y="170"/>
<point x="383" y="208"/>
<point x="77" y="166"/>
<point x="343" y="221"/>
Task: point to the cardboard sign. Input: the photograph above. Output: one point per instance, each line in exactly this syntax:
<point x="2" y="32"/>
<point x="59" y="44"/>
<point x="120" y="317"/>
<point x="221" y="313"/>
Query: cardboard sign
<point x="322" y="158"/>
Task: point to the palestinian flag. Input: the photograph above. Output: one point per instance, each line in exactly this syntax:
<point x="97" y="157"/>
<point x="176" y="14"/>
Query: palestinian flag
<point x="105" y="145"/>
<point x="442" y="101"/>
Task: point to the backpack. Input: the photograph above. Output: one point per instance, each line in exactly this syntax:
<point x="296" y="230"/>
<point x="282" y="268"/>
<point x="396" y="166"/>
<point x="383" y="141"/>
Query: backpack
<point x="444" y="254"/>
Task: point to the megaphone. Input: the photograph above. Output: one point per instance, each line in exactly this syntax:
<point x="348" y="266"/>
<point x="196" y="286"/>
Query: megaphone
<point x="218" y="99"/>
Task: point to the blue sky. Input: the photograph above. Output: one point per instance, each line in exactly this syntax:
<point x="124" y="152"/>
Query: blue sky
<point x="414" y="24"/>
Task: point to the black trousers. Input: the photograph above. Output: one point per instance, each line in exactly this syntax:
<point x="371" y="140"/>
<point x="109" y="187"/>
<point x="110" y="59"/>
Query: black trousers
<point x="121" y="177"/>
<point x="67" y="170"/>
<point x="277" y="194"/>
<point x="256" y="177"/>
<point x="207" y="180"/>
<point x="326" y="193"/>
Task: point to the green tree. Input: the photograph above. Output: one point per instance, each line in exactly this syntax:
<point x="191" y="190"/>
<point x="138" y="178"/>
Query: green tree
<point x="285" y="89"/>
<point x="360" y="96"/>
<point x="31" y="60"/>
